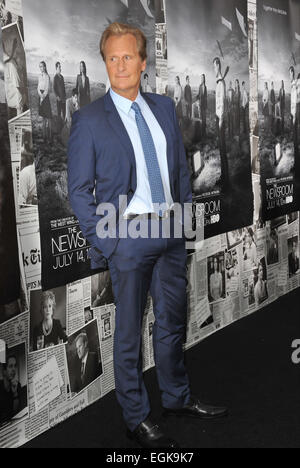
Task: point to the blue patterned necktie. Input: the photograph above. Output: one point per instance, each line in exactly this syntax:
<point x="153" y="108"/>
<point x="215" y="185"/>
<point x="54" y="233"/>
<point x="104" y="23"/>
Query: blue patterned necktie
<point x="154" y="175"/>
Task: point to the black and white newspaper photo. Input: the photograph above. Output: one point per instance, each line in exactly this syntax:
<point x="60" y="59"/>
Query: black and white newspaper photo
<point x="13" y="386"/>
<point x="101" y="289"/>
<point x="279" y="101"/>
<point x="11" y="12"/>
<point x="10" y="292"/>
<point x="48" y="311"/>
<point x="14" y="70"/>
<point x="209" y="82"/>
<point x="84" y="357"/>
<point x="65" y="73"/>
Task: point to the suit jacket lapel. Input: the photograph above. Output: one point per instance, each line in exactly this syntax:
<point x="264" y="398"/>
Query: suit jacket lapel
<point x="165" y="122"/>
<point x="120" y="130"/>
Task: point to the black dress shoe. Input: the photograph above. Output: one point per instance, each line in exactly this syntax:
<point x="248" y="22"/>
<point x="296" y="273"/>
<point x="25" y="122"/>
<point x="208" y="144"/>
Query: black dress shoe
<point x="149" y="435"/>
<point x="195" y="409"/>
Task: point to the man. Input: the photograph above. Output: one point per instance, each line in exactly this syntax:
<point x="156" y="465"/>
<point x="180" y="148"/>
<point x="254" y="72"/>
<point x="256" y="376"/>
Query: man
<point x="60" y="93"/>
<point x="293" y="260"/>
<point x="72" y="106"/>
<point x="129" y="144"/>
<point x="220" y="122"/>
<point x="188" y="97"/>
<point x="88" y="368"/>
<point x="278" y="118"/>
<point x="272" y="245"/>
<point x="266" y="112"/>
<point x="294" y="120"/>
<point x="282" y="105"/>
<point x="237" y="108"/>
<point x="146" y="87"/>
<point x="245" y="107"/>
<point x="12" y="396"/>
<point x="202" y="96"/>
<point x="230" y="103"/>
<point x="293" y="102"/>
<point x="272" y="106"/>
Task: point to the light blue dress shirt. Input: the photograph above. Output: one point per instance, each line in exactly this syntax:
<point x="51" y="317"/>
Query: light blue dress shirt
<point x="141" y="201"/>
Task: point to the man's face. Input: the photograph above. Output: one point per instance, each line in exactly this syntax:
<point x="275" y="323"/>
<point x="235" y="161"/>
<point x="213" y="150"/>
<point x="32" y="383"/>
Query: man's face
<point x="294" y="248"/>
<point x="75" y="99"/>
<point x="202" y="79"/>
<point x="291" y="74"/>
<point x="124" y="65"/>
<point x="58" y="68"/>
<point x="11" y="370"/>
<point x="81" y="348"/>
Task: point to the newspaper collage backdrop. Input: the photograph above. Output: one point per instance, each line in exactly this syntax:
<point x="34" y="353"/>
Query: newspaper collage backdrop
<point x="53" y="100"/>
<point x="279" y="105"/>
<point x="209" y="81"/>
<point x="229" y="276"/>
<point x="11" y="290"/>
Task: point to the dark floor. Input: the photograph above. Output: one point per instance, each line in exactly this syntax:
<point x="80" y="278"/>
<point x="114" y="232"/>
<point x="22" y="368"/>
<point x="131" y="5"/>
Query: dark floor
<point x="246" y="366"/>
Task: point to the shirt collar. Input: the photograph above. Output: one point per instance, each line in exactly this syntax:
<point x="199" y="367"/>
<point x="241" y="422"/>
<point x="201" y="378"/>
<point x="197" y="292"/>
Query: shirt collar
<point x="123" y="103"/>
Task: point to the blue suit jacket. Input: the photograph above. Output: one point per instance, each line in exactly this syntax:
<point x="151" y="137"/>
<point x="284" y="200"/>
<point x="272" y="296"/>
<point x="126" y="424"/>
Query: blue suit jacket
<point x="101" y="164"/>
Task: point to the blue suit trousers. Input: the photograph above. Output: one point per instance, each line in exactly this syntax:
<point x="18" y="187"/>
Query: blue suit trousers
<point x="137" y="267"/>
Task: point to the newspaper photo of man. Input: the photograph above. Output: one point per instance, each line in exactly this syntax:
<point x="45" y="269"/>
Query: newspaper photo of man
<point x="13" y="386"/>
<point x="294" y="265"/>
<point x="84" y="357"/>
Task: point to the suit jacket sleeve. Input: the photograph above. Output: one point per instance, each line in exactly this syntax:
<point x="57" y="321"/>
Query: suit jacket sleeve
<point x="81" y="178"/>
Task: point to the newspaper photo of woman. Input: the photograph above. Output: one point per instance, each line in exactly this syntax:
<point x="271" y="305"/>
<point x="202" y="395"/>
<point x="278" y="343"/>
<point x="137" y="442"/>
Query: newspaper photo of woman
<point x="45" y="111"/>
<point x="260" y="280"/>
<point x="49" y="332"/>
<point x="249" y="250"/>
<point x="216" y="277"/>
<point x="83" y="86"/>
<point x="178" y="99"/>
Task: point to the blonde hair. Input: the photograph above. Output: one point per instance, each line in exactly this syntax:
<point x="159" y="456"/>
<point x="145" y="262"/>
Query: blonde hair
<point x="120" y="29"/>
<point x="48" y="295"/>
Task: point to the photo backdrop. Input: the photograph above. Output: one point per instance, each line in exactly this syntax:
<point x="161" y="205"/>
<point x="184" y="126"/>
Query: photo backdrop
<point x="279" y="105"/>
<point x="65" y="252"/>
<point x="248" y="259"/>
